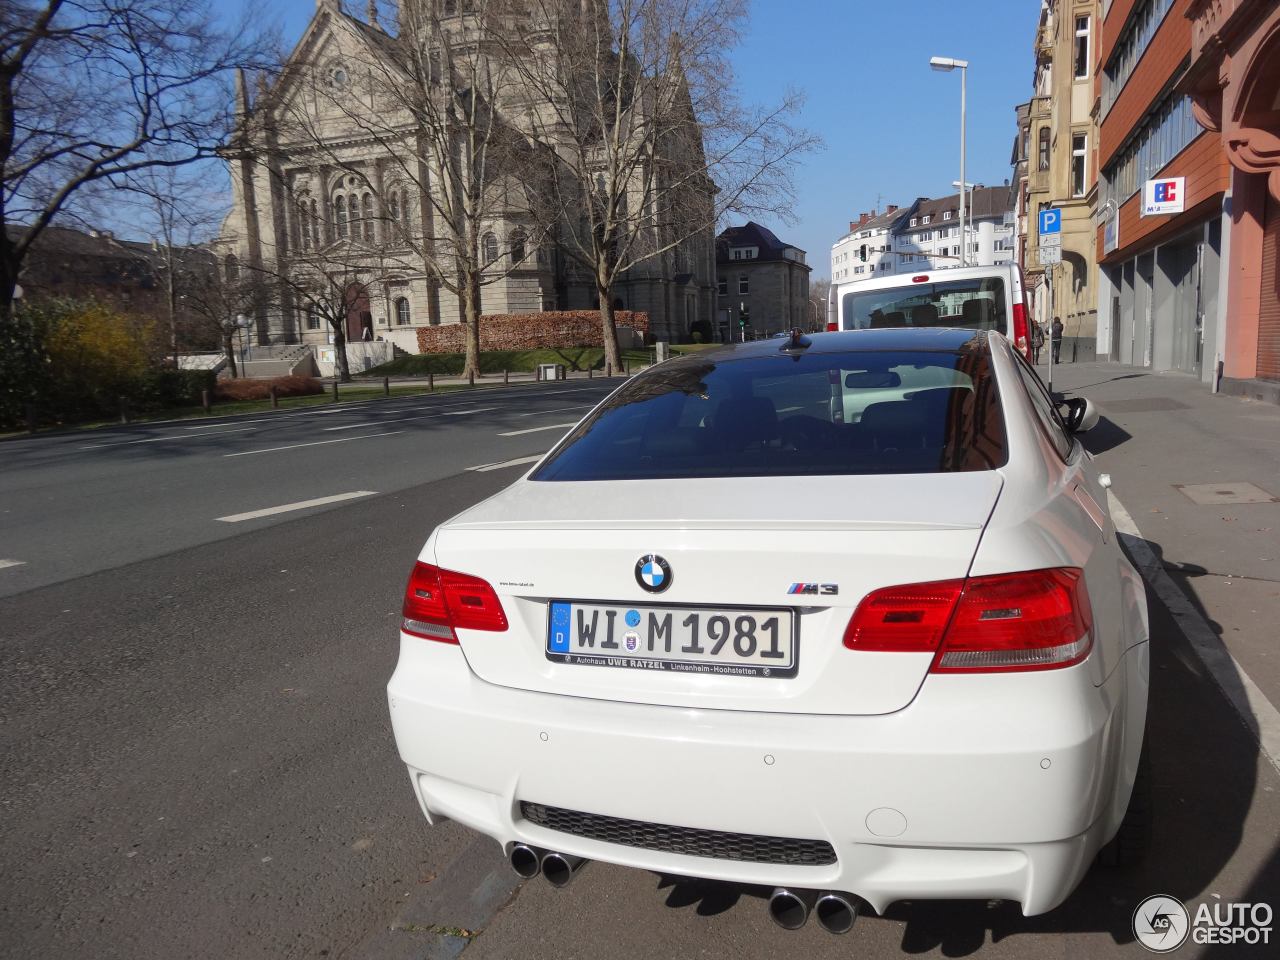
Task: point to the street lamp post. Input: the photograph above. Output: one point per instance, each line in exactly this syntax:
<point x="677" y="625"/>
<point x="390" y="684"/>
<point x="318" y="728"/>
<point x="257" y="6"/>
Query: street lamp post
<point x="946" y="65"/>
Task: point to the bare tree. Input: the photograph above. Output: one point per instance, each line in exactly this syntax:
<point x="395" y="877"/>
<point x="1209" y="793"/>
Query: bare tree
<point x="440" y="165"/>
<point x="818" y="292"/>
<point x="93" y="90"/>
<point x="645" y="144"/>
<point x="213" y="301"/>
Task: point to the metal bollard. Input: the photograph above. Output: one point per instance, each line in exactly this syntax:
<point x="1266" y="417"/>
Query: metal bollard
<point x="204" y="401"/>
<point x="588" y="373"/>
<point x="386" y="386"/>
<point x="431" y="381"/>
<point x="628" y="368"/>
<point x="275" y="399"/>
<point x="335" y="391"/>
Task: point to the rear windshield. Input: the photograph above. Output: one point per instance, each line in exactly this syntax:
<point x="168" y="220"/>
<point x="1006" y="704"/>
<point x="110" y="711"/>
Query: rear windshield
<point x="976" y="304"/>
<point x="820" y="413"/>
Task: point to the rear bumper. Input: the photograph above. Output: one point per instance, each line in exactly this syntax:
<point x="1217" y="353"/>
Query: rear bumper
<point x="984" y="787"/>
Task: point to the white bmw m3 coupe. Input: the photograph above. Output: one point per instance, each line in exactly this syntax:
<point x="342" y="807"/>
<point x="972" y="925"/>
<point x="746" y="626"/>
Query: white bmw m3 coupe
<point x="842" y="615"/>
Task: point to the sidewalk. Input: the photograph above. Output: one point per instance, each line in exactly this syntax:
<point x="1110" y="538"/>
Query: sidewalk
<point x="1160" y="436"/>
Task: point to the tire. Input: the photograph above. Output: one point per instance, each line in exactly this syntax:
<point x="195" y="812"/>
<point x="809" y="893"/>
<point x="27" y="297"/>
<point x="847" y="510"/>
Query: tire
<point x="1130" y="844"/>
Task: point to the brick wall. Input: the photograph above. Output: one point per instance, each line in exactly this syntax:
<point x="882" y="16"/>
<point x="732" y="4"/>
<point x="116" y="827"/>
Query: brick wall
<point x="529" y="331"/>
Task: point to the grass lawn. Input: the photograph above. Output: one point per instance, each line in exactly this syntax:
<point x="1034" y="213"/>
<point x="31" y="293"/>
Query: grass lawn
<point x="496" y="361"/>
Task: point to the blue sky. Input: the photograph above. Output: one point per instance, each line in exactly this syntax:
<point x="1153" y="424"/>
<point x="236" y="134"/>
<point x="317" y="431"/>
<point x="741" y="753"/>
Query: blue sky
<point x="891" y="125"/>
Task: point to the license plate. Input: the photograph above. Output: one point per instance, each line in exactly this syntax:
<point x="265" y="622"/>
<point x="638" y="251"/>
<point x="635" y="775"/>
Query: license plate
<point x="731" y="641"/>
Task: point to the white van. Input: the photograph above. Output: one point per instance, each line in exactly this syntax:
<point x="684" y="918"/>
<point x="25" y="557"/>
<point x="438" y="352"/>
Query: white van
<point x="974" y="298"/>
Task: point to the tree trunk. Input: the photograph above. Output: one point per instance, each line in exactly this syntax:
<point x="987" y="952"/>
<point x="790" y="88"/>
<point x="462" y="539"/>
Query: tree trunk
<point x="608" y="327"/>
<point x="9" y="267"/>
<point x="229" y="349"/>
<point x="471" y="323"/>
<point x="340" y="355"/>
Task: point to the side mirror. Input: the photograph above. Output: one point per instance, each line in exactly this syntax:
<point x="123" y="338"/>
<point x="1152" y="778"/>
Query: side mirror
<point x="1081" y="415"/>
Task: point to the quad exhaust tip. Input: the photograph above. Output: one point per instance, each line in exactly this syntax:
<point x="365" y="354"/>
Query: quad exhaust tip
<point x="560" y="868"/>
<point x="837" y="912"/>
<point x="789" y="909"/>
<point x="525" y="861"/>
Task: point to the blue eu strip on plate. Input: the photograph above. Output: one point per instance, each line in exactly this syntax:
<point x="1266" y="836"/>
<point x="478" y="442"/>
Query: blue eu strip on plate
<point x="558" y="641"/>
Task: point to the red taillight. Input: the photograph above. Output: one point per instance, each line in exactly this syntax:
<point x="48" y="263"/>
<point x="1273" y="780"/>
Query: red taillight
<point x="1021" y="335"/>
<point x="922" y="278"/>
<point x="1034" y="620"/>
<point x="832" y="325"/>
<point x="909" y="618"/>
<point x="436" y="602"/>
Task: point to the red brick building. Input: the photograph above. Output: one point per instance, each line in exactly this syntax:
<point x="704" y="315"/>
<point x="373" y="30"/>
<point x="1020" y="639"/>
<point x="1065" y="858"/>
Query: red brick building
<point x="1182" y="290"/>
<point x="1234" y="82"/>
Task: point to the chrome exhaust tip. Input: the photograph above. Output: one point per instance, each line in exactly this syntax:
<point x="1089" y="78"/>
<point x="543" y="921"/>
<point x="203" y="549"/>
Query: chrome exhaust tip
<point x="837" y="912"/>
<point x="560" y="868"/>
<point x="525" y="861"/>
<point x="789" y="909"/>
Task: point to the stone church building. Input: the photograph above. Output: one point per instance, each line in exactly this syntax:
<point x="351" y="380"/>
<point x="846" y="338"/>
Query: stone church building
<point x="335" y="200"/>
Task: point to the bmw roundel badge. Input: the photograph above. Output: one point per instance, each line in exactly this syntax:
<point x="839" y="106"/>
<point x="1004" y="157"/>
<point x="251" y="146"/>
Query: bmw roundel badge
<point x="653" y="573"/>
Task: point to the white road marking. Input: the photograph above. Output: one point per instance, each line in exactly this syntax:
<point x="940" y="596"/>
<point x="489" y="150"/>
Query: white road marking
<point x="486" y="467"/>
<point x="300" y="505"/>
<point x="553" y="426"/>
<point x="576" y="406"/>
<point x="4" y="564"/>
<point x="202" y="436"/>
<point x="425" y="416"/>
<point x="215" y="426"/>
<point x="1257" y="712"/>
<point x="313" y="443"/>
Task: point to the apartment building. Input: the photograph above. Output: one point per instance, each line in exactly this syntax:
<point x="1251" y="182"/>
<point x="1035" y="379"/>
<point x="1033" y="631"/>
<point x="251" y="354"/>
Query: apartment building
<point x="929" y="239"/>
<point x="867" y="250"/>
<point x="763" y="283"/>
<point x="1055" y="156"/>
<point x="1164" y="187"/>
<point x="1233" y="81"/>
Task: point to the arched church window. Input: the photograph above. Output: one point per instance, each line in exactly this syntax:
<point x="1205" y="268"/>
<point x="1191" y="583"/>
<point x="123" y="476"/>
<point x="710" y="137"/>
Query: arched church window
<point x="402" y="312"/>
<point x="340" y="215"/>
<point x="367" y="214"/>
<point x="489" y="249"/>
<point x="315" y="223"/>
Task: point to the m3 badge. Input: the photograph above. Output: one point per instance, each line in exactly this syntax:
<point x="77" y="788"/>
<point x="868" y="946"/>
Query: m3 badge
<point x="814" y="589"/>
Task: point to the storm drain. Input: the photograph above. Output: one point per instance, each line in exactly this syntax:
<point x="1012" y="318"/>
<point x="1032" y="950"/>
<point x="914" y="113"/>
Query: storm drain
<point x="690" y="841"/>
<point x="1208" y="494"/>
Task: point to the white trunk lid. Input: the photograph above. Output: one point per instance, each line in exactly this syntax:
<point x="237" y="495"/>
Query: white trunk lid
<point x="539" y="542"/>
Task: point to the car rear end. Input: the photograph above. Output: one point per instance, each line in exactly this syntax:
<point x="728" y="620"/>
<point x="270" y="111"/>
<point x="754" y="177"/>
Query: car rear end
<point x="671" y="646"/>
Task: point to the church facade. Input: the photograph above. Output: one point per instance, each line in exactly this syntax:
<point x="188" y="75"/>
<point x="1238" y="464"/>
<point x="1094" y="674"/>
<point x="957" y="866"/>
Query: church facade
<point x="317" y="190"/>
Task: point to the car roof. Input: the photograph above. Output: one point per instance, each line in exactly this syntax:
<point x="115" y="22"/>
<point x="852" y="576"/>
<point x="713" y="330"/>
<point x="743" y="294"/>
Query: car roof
<point x="941" y="275"/>
<point x="884" y="340"/>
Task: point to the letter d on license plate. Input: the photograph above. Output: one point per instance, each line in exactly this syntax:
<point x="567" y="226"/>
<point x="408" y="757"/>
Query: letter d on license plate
<point x="732" y="641"/>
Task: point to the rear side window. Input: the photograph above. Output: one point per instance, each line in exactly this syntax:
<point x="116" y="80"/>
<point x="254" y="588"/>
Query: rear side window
<point x="1050" y="421"/>
<point x="819" y="414"/>
<point x="975" y="304"/>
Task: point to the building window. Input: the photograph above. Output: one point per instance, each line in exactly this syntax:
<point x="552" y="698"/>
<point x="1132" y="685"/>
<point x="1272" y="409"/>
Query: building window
<point x="1079" y="142"/>
<point x="1166" y="134"/>
<point x="489" y="249"/>
<point x="315" y="223"/>
<point x="1082" y="48"/>
<point x="1042" y="163"/>
<point x="914" y="221"/>
<point x="340" y="215"/>
<point x="946" y="214"/>
<point x="1143" y="22"/>
<point x="402" y="311"/>
<point x="313" y="317"/>
<point x="232" y="267"/>
<point x="367" y="216"/>
<point x="722" y="286"/>
<point x="518" y="241"/>
<point x="744" y="285"/>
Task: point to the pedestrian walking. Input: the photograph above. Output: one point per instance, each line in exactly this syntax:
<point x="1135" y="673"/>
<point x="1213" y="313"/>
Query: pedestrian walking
<point x="1037" y="341"/>
<point x="1056" y="335"/>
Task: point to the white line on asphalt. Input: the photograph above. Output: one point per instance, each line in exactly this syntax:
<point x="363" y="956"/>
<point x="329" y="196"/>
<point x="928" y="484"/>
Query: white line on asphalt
<point x="4" y="564"/>
<point x="313" y="443"/>
<point x="202" y="436"/>
<point x="425" y="416"/>
<point x="486" y="467"/>
<point x="300" y="505"/>
<point x="215" y="426"/>
<point x="1257" y="712"/>
<point x="553" y="426"/>
<point x="576" y="406"/>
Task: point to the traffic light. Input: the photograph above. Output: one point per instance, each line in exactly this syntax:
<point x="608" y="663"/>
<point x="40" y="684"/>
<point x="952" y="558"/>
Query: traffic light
<point x="862" y="253"/>
<point x="742" y="323"/>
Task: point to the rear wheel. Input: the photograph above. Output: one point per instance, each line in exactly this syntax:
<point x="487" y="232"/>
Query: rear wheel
<point x="1130" y="844"/>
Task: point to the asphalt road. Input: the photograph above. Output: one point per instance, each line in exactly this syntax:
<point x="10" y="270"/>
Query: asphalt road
<point x="196" y="761"/>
